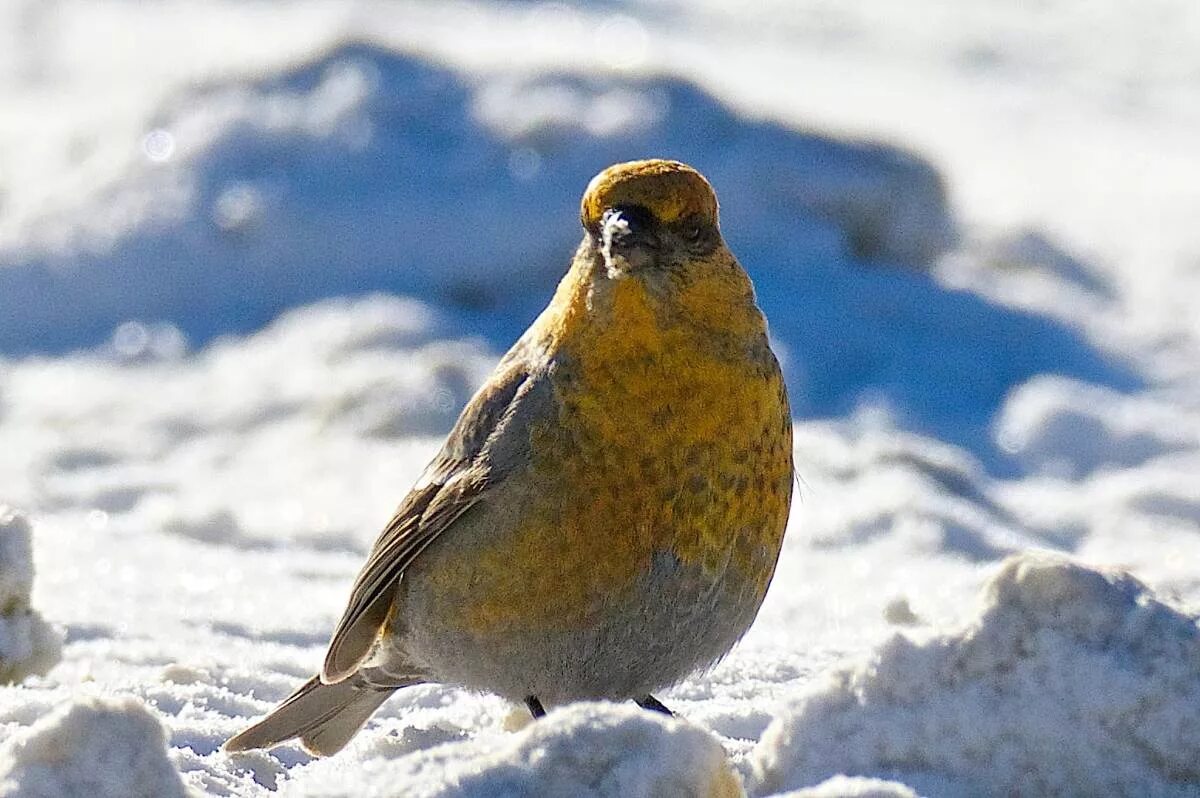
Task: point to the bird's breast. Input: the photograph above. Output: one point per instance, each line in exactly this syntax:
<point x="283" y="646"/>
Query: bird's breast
<point x="676" y="450"/>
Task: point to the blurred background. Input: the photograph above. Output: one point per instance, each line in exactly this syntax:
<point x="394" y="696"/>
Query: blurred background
<point x="255" y="256"/>
<point x="201" y="167"/>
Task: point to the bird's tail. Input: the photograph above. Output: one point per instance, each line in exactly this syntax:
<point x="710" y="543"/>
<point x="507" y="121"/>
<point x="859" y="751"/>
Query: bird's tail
<point x="323" y="716"/>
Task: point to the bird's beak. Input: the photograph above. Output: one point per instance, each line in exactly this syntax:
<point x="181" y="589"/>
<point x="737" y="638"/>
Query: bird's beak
<point x="623" y="243"/>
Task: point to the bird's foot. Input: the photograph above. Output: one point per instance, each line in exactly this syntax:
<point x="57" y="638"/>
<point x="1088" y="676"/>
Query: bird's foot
<point x="535" y="707"/>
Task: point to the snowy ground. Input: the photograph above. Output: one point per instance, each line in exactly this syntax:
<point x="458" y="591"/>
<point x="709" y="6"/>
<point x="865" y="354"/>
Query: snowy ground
<point x="255" y="256"/>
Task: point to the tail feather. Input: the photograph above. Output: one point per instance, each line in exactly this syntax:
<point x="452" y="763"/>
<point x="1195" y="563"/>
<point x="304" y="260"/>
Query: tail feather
<point x="323" y="716"/>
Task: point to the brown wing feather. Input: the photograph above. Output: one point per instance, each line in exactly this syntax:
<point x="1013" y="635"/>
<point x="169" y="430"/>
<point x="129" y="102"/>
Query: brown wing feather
<point x="370" y="598"/>
<point x="455" y="481"/>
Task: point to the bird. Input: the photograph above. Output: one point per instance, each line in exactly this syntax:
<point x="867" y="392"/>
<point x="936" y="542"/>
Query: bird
<point x="606" y="514"/>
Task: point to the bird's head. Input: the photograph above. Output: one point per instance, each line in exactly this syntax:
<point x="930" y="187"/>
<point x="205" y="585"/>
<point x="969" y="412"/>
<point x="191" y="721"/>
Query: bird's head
<point x="652" y="258"/>
<point x="646" y="215"/>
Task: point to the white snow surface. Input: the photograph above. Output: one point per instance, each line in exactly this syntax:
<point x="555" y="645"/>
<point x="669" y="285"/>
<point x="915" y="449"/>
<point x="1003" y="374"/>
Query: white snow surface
<point x="255" y="256"/>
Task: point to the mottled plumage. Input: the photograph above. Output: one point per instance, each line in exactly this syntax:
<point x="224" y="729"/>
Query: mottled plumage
<point x="606" y="515"/>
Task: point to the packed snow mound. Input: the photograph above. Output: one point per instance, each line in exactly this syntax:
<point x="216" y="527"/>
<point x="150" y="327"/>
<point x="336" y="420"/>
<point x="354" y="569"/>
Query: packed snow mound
<point x="371" y="170"/>
<point x="1071" y="681"/>
<point x="585" y="750"/>
<point x="95" y="747"/>
<point x="28" y="645"/>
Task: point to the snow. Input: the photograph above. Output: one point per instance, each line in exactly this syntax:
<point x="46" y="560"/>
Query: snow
<point x="1056" y="426"/>
<point x="28" y="645"/>
<point x="588" y="750"/>
<point x="1068" y="681"/>
<point x="254" y="257"/>
<point x="100" y="747"/>
<point x="254" y="196"/>
<point x="853" y="787"/>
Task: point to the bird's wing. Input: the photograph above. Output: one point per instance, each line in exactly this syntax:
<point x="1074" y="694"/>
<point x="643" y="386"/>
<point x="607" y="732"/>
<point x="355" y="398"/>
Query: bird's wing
<point x="470" y="464"/>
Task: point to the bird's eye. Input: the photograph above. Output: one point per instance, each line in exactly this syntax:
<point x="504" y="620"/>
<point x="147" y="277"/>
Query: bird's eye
<point x="692" y="233"/>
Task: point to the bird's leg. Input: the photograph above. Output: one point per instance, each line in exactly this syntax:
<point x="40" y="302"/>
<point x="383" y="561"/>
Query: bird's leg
<point x="535" y="707"/>
<point x="653" y="704"/>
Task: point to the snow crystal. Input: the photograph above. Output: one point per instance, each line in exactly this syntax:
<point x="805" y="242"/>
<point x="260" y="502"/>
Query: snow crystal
<point x="1070" y="681"/>
<point x="28" y="645"/>
<point x="95" y="747"/>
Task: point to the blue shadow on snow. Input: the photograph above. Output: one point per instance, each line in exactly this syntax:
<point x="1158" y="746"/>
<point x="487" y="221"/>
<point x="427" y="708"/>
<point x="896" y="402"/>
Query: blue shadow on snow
<point x="368" y="171"/>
